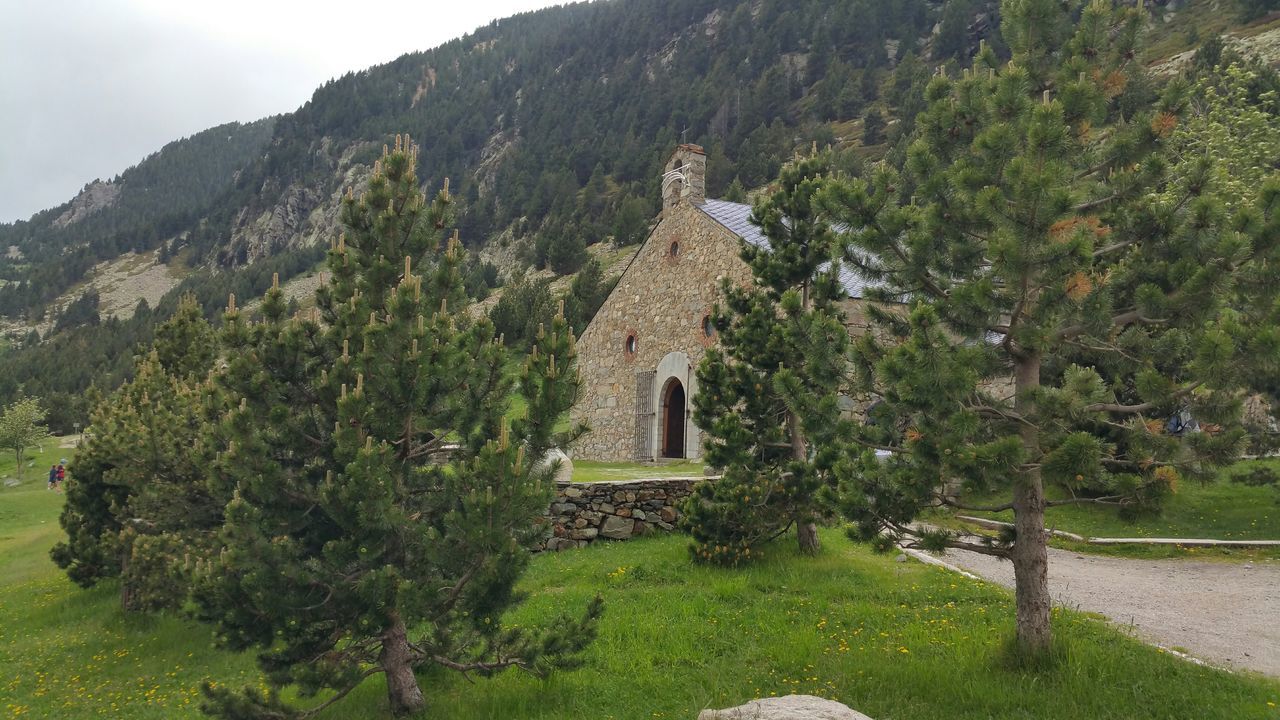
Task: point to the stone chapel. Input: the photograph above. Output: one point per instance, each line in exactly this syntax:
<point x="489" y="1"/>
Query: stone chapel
<point x="639" y="355"/>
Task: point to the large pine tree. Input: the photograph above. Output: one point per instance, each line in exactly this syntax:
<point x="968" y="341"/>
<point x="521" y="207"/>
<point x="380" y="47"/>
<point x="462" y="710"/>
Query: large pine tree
<point x="384" y="505"/>
<point x="768" y="392"/>
<point x="1068" y="294"/>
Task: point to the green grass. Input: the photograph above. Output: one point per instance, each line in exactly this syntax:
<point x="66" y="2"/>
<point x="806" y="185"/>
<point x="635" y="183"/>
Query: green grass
<point x="1222" y="510"/>
<point x="70" y="653"/>
<point x="597" y="471"/>
<point x="36" y="463"/>
<point x="894" y="640"/>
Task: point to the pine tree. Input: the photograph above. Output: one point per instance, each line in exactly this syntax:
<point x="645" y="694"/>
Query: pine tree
<point x="873" y="127"/>
<point x="22" y="428"/>
<point x="1061" y="305"/>
<point x="140" y="506"/>
<point x="768" y="392"/>
<point x="383" y="504"/>
<point x="586" y="294"/>
<point x="735" y="192"/>
<point x="566" y="251"/>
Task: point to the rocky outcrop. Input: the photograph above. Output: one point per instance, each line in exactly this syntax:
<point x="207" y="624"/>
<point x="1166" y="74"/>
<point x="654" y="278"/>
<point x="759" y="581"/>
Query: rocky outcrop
<point x="303" y="215"/>
<point x="585" y="512"/>
<point x="274" y="229"/>
<point x="789" y="707"/>
<point x="95" y="196"/>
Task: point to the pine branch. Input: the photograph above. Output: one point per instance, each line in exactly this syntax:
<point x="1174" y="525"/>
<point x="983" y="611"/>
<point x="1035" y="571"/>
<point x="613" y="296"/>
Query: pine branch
<point x="991" y="412"/>
<point x="1125" y="318"/>
<point x="1119" y="500"/>
<point x="1140" y="407"/>
<point x="1087" y="206"/>
<point x="312" y="712"/>
<point x="1113" y="247"/>
<point x="944" y="500"/>
<point x="485" y="667"/>
<point x="1105" y="347"/>
<point x="950" y="542"/>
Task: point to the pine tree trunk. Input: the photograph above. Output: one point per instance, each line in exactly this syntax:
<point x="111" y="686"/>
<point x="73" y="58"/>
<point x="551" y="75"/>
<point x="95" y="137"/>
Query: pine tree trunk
<point x="128" y="598"/>
<point x="807" y="534"/>
<point x="1030" y="554"/>
<point x="396" y="660"/>
<point x="806" y="528"/>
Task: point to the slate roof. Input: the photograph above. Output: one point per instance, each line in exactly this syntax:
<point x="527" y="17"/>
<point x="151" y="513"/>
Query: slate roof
<point x="736" y="217"/>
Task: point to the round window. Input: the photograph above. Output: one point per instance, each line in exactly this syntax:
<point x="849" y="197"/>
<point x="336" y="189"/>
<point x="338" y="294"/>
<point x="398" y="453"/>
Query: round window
<point x="708" y="329"/>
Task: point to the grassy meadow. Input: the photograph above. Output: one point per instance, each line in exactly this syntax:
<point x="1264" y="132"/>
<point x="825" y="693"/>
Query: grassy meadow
<point x="598" y="471"/>
<point x="1223" y="510"/>
<point x="893" y="640"/>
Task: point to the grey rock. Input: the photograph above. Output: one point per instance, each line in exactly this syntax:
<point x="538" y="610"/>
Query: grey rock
<point x="616" y="528"/>
<point x="557" y="543"/>
<point x="789" y="707"/>
<point x="901" y="557"/>
<point x="564" y="466"/>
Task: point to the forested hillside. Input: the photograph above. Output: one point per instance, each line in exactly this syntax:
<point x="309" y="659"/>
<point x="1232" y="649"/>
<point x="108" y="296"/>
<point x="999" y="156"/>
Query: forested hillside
<point x="555" y="123"/>
<point x="162" y="196"/>
<point x="551" y="126"/>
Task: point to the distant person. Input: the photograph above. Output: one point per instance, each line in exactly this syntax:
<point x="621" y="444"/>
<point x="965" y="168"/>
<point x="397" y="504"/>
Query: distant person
<point x="62" y="475"/>
<point x="53" y="477"/>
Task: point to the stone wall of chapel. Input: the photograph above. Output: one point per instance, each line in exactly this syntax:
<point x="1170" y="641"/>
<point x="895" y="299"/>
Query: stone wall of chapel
<point x="662" y="299"/>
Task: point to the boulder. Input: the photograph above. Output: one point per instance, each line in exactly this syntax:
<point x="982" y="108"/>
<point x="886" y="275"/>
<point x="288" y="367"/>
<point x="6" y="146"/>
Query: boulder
<point x="564" y="469"/>
<point x="789" y="707"/>
<point x="557" y="544"/>
<point x="616" y="528"/>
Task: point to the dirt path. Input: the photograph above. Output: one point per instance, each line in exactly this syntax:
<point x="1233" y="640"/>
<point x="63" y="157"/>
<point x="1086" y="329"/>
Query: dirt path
<point x="1225" y="613"/>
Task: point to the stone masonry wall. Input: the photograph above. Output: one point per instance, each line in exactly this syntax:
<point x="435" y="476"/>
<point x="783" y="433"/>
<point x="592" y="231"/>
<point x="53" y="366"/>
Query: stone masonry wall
<point x="661" y="299"/>
<point x="585" y="512"/>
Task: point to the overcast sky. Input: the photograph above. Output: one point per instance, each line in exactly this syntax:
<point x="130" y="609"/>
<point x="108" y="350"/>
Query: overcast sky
<point x="90" y="87"/>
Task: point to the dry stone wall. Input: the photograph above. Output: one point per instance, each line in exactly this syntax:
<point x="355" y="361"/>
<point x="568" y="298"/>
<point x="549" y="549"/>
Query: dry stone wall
<point x="661" y="299"/>
<point x="585" y="512"/>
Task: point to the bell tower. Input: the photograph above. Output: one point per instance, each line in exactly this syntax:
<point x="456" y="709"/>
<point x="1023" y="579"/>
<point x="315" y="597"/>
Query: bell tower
<point x="685" y="177"/>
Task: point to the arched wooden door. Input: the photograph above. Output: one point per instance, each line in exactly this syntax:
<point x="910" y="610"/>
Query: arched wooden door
<point x="673" y="419"/>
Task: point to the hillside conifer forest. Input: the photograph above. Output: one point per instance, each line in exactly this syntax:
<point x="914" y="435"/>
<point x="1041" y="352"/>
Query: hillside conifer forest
<point x="551" y="125"/>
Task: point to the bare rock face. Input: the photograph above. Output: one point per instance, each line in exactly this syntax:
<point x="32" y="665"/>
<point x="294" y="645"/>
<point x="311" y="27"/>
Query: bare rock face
<point x="300" y="216"/>
<point x="95" y="196"/>
<point x="789" y="707"/>
<point x="275" y="229"/>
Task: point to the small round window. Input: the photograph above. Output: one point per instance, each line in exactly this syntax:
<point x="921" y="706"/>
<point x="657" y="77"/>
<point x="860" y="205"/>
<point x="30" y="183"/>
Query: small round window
<point x="631" y="344"/>
<point x="708" y="329"/>
<point x="675" y="249"/>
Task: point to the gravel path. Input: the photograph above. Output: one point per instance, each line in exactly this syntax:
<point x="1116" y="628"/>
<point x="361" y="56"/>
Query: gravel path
<point x="1225" y="613"/>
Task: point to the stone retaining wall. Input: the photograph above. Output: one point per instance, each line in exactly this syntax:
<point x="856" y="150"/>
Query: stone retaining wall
<point x="585" y="512"/>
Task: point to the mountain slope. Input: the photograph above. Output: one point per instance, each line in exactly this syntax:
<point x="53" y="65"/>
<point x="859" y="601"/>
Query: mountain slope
<point x="160" y="197"/>
<point x="551" y="125"/>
